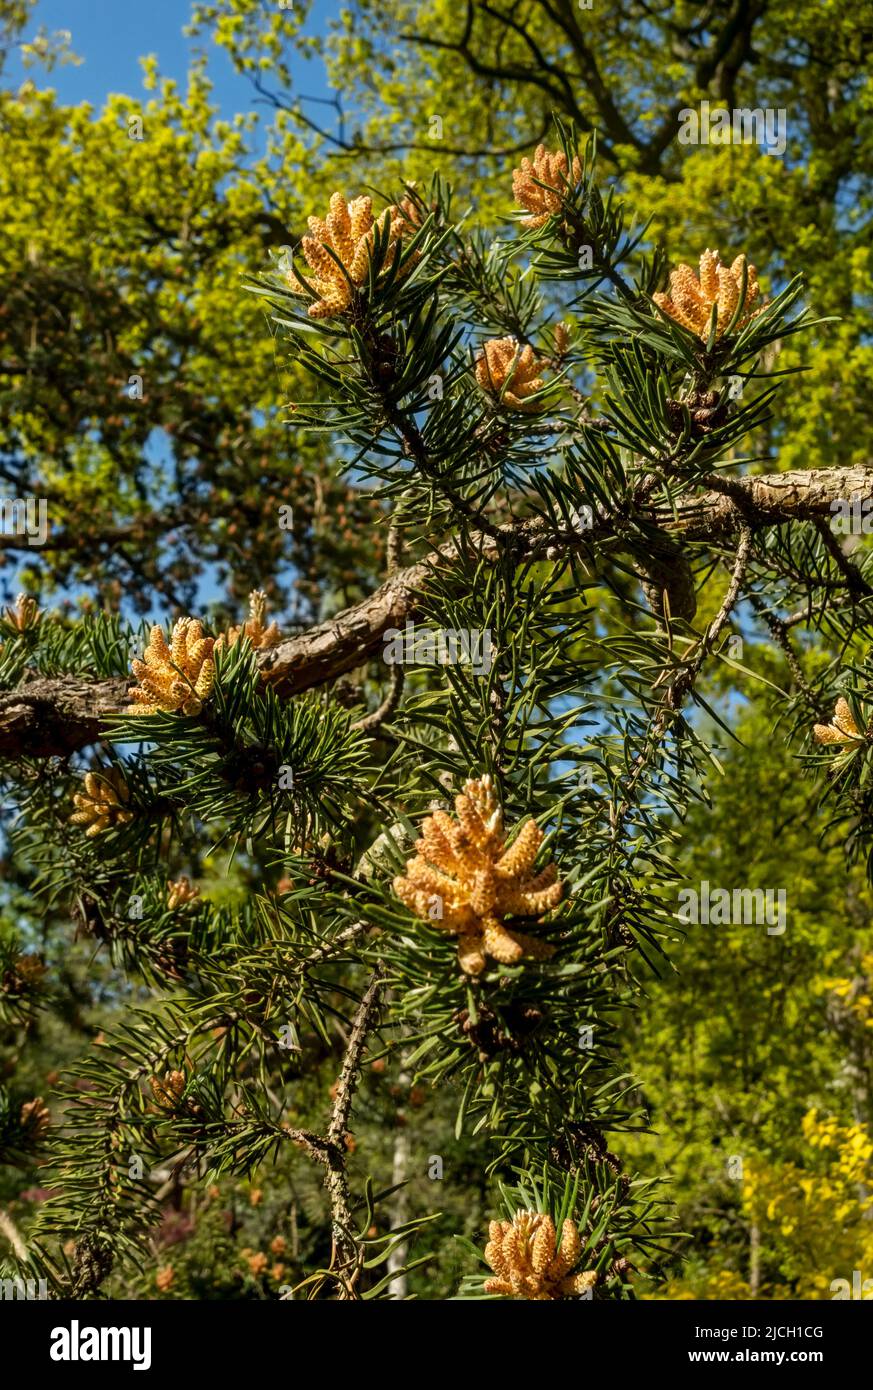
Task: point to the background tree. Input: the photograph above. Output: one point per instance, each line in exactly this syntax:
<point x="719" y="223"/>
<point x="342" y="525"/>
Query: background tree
<point x="139" y="390"/>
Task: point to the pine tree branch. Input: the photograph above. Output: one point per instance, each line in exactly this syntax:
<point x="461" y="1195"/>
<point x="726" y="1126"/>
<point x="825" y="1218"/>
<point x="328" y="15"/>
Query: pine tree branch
<point x="683" y="683"/>
<point x="668" y="712"/>
<point x="779" y="629"/>
<point x="855" y="581"/>
<point x="46" y="716"/>
<point x="54" y="715"/>
<point x="372" y="722"/>
<point x="345" y="1247"/>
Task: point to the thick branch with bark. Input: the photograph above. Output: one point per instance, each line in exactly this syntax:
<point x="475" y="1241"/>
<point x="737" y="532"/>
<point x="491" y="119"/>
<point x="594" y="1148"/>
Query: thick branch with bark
<point x="46" y="716"/>
<point x="56" y="715"/>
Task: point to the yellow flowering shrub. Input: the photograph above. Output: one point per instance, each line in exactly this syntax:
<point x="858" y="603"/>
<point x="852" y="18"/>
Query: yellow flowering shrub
<point x="817" y="1218"/>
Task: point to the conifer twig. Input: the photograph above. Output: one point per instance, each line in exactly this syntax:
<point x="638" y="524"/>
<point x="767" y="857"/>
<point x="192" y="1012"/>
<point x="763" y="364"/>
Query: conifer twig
<point x="345" y="1254"/>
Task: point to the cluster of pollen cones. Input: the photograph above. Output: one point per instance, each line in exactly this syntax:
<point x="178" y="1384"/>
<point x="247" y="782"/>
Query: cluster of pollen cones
<point x="842" y="728"/>
<point x="464" y="880"/>
<point x="528" y="1261"/>
<point x="339" y="249"/>
<point x="691" y="299"/>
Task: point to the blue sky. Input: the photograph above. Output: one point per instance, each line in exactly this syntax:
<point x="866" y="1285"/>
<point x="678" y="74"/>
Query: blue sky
<point x="112" y="35"/>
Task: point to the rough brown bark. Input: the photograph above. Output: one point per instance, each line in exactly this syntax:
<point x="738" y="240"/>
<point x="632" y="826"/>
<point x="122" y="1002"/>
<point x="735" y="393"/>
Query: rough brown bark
<point x="55" y="716"/>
